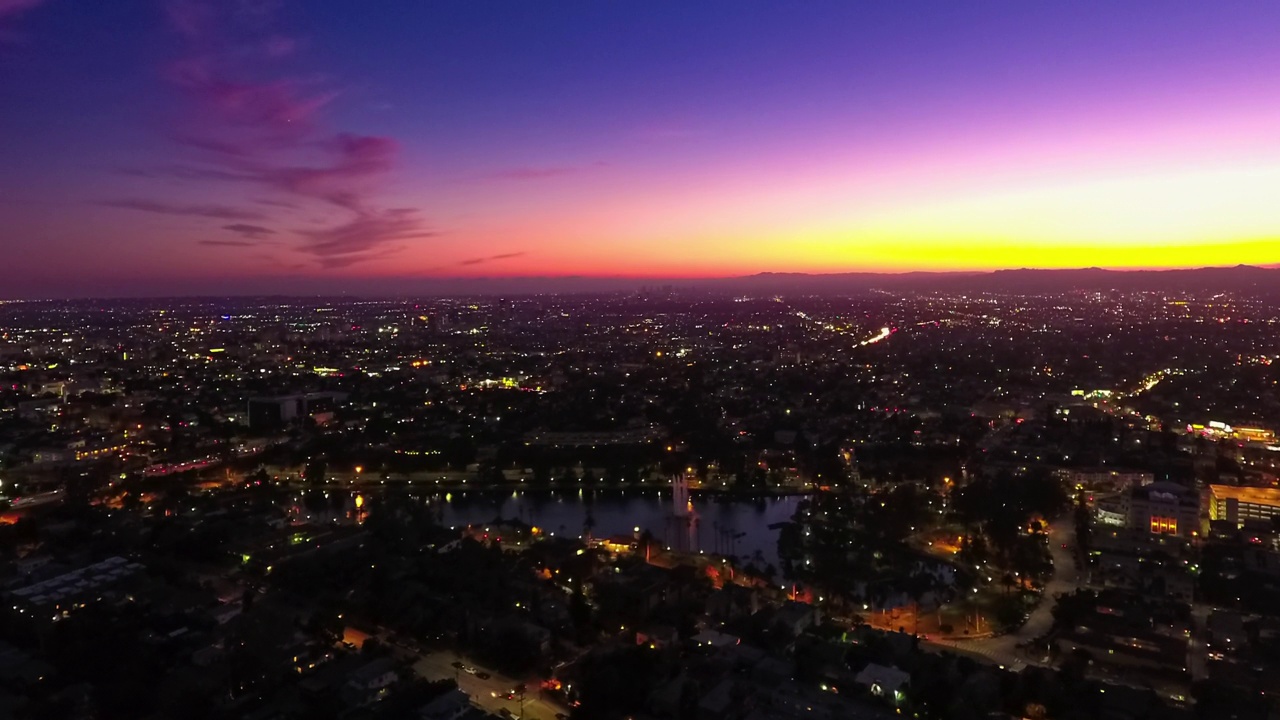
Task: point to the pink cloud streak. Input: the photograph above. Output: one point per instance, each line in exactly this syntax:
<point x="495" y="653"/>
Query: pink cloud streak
<point x="13" y="7"/>
<point x="267" y="133"/>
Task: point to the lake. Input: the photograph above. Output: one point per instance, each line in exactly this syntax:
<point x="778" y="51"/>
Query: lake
<point x="727" y="525"/>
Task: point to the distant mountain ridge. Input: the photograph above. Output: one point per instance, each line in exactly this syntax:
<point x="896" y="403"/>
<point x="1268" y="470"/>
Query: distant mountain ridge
<point x="1253" y="280"/>
<point x="1240" y="278"/>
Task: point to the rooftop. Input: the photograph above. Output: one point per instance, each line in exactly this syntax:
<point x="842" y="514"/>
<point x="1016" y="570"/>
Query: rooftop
<point x="1255" y="495"/>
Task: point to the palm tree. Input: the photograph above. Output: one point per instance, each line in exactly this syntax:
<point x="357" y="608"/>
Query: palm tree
<point x="916" y="586"/>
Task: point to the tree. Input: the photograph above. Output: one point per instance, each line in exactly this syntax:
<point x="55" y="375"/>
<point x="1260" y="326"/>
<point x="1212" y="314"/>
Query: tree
<point x="541" y="473"/>
<point x="314" y="501"/>
<point x="616" y="684"/>
<point x="579" y="611"/>
<point x="257" y="643"/>
<point x="314" y="472"/>
<point x="1009" y="612"/>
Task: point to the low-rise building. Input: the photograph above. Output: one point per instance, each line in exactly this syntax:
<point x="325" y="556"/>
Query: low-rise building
<point x="1107" y="479"/>
<point x="450" y="706"/>
<point x="883" y="681"/>
<point x="1164" y="508"/>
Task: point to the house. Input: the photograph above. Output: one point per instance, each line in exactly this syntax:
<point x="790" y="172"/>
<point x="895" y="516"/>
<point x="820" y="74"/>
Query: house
<point x="664" y="701"/>
<point x="732" y="602"/>
<point x="206" y="656"/>
<point x="369" y="682"/>
<point x="718" y="703"/>
<point x="19" y="670"/>
<point x="715" y="639"/>
<point x="796" y="617"/>
<point x="656" y="635"/>
<point x="374" y="674"/>
<point x="882" y="681"/>
<point x="450" y="706"/>
<point x="1226" y="631"/>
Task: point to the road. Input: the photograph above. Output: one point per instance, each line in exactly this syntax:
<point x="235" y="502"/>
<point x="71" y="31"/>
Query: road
<point x="1065" y="578"/>
<point x="1197" y="652"/>
<point x="438" y="665"/>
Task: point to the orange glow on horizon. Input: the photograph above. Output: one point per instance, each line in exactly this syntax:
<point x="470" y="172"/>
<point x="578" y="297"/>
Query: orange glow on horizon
<point x="1162" y="217"/>
<point x="821" y="256"/>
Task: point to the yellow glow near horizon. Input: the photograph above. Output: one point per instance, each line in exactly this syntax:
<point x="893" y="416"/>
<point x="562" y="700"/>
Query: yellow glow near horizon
<point x="1161" y="216"/>
<point x="1176" y="219"/>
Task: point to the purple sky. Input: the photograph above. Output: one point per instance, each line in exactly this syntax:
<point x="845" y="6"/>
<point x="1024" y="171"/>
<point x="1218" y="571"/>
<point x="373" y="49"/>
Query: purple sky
<point x="161" y="146"/>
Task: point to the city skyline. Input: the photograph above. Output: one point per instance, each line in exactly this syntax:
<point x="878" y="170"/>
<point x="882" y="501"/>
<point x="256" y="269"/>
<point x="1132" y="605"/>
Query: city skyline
<point x="296" y="147"/>
<point x="618" y="360"/>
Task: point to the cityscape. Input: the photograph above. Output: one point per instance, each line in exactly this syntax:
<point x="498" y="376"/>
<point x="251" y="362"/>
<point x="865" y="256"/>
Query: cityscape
<point x="577" y="360"/>
<point x="652" y="503"/>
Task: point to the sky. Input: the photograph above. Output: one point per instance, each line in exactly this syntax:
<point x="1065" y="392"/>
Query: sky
<point x="171" y="146"/>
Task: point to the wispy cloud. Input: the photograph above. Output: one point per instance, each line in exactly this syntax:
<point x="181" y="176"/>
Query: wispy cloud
<point x="543" y="172"/>
<point x="10" y="9"/>
<point x="254" y="232"/>
<point x="276" y="203"/>
<point x="210" y="145"/>
<point x="664" y="131"/>
<point x="491" y="258"/>
<point x="218" y="212"/>
<point x="191" y="18"/>
<point x="471" y="262"/>
<point x="268" y="133"/>
<point x="229" y="243"/>
<point x="280" y="46"/>
<point x="13" y="7"/>
<point x="334" y="262"/>
<point x="364" y="235"/>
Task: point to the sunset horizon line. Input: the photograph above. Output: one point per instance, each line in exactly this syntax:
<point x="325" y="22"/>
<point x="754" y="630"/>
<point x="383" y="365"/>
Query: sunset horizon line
<point x="407" y="286"/>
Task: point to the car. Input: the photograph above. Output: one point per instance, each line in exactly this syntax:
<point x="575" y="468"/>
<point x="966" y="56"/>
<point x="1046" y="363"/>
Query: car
<point x="457" y="664"/>
<point x="480" y="674"/>
<point x="471" y="671"/>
